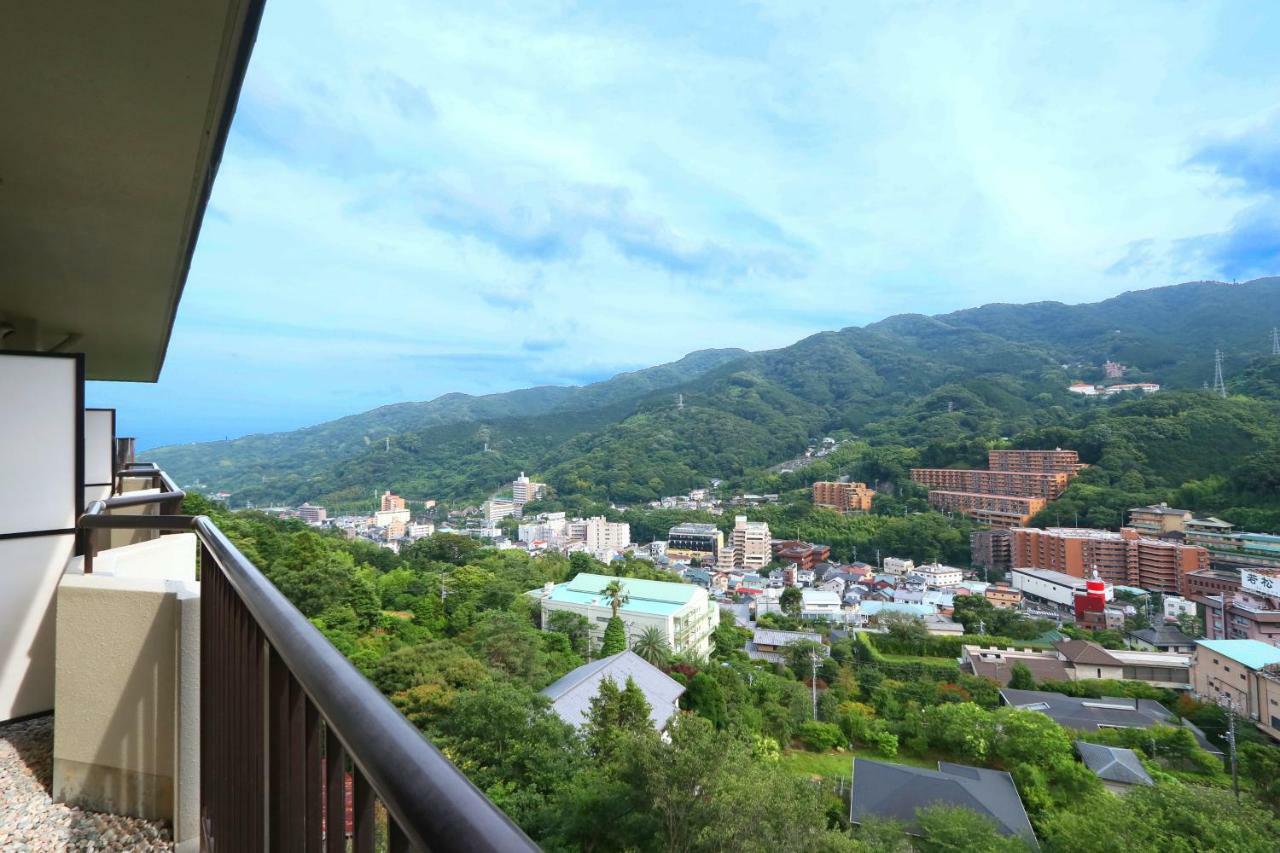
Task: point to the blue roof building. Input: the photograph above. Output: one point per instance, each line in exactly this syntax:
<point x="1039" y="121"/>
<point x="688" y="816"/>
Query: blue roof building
<point x="683" y="612"/>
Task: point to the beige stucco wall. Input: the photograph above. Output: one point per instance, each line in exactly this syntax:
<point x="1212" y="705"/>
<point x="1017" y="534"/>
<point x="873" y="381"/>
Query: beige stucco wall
<point x="127" y="654"/>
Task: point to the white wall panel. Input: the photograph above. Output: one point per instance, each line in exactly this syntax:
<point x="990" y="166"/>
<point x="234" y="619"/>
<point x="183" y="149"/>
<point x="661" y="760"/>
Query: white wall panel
<point x="41" y="493"/>
<point x="99" y="446"/>
<point x="39" y="425"/>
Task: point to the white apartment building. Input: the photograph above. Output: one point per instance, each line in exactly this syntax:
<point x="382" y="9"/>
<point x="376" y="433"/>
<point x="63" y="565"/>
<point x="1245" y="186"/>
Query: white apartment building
<point x="420" y="531"/>
<point x="498" y="508"/>
<point x="389" y="517"/>
<point x="684" y="613"/>
<point x="601" y="535"/>
<point x="936" y="574"/>
<point x="752" y="544"/>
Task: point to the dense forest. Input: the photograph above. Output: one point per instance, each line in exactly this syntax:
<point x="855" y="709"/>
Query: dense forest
<point x="445" y="632"/>
<point x="909" y="390"/>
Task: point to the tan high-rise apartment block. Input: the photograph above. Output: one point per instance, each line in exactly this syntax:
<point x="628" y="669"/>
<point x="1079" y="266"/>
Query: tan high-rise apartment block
<point x="843" y="497"/>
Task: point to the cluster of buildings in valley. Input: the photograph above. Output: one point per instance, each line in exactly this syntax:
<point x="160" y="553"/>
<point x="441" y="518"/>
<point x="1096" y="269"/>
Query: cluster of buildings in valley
<point x="1112" y="373"/>
<point x="1016" y="485"/>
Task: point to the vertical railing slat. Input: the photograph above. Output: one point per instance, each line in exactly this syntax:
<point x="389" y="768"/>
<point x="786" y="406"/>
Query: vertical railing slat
<point x="295" y="790"/>
<point x="313" y="776"/>
<point x="397" y="841"/>
<point x="278" y="752"/>
<point x="366" y="817"/>
<point x="335" y="820"/>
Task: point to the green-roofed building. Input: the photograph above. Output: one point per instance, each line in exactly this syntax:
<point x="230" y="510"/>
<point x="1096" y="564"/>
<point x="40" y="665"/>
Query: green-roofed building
<point x="684" y="613"/>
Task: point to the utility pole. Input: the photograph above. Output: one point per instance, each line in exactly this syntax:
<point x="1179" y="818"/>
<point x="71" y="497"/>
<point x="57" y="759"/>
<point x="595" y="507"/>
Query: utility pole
<point x="813" y="685"/>
<point x="1219" y="386"/>
<point x="851" y="760"/>
<point x="1231" y="742"/>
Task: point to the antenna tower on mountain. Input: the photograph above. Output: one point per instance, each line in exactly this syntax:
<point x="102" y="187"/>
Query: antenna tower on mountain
<point x="1219" y="386"/>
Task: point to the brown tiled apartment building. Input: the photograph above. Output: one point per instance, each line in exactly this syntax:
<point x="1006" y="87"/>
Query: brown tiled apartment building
<point x="996" y="510"/>
<point x="844" y="497"/>
<point x="1014" y="483"/>
<point x="1018" y="484"/>
<point x="1037" y="461"/>
<point x="1124" y="558"/>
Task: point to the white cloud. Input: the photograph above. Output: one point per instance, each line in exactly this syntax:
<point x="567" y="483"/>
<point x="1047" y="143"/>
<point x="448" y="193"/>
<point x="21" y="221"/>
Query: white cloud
<point x="568" y="187"/>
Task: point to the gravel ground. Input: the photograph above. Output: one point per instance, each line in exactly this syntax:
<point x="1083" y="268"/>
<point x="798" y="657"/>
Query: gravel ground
<point x="31" y="821"/>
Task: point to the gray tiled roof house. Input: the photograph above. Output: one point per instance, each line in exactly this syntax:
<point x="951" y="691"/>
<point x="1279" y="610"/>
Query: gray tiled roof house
<point x="572" y="693"/>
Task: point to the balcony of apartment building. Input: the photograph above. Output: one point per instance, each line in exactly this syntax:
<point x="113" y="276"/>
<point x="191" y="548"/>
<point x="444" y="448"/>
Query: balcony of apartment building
<point x="148" y="670"/>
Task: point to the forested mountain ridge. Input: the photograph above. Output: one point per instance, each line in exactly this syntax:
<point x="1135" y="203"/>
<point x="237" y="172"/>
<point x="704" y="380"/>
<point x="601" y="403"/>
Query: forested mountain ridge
<point x="911" y="380"/>
<point x="243" y="461"/>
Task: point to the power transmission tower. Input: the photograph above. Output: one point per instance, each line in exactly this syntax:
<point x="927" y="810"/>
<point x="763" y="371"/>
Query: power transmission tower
<point x="1275" y="340"/>
<point x="1219" y="386"/>
<point x="679" y="402"/>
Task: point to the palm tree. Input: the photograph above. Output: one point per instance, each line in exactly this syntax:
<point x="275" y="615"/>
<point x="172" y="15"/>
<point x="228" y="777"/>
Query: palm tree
<point x="616" y="593"/>
<point x="652" y="646"/>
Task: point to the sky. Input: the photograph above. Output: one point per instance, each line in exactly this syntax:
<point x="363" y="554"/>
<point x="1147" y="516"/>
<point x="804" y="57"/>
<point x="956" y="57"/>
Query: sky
<point x="425" y="197"/>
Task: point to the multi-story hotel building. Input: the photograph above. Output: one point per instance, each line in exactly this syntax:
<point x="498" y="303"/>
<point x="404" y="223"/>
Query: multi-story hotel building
<point x="692" y="541"/>
<point x="391" y="503"/>
<point x="312" y="514"/>
<point x="751" y="542"/>
<point x="1037" y="461"/>
<point x="1122" y="558"/>
<point x="1048" y="485"/>
<point x="524" y="490"/>
<point x="843" y="497"/>
<point x="996" y="510"/>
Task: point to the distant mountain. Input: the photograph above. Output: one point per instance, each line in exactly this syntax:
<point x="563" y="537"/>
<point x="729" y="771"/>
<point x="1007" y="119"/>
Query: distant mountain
<point x="997" y="370"/>
<point x="251" y="460"/>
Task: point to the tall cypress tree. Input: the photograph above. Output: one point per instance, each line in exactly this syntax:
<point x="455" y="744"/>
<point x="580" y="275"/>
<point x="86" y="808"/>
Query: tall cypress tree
<point x="615" y="638"/>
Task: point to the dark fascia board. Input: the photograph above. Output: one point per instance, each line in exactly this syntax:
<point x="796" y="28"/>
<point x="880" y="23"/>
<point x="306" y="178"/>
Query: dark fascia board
<point x="222" y="129"/>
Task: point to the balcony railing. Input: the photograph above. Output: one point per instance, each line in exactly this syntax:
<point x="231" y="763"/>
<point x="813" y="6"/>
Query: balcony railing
<point x="290" y="731"/>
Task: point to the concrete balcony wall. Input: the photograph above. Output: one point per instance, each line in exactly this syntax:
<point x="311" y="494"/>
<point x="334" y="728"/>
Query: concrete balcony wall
<point x="126" y="724"/>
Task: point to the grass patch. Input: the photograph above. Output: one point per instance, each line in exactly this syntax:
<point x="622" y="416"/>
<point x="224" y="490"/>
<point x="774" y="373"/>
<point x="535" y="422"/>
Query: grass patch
<point x="833" y="765"/>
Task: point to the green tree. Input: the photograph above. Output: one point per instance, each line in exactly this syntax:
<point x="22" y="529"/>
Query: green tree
<point x="706" y="698"/>
<point x="790" y="601"/>
<point x="652" y="646"/>
<point x="952" y="829"/>
<point x="615" y="711"/>
<point x="615" y="638"/>
<point x="616" y="594"/>
<point x="1020" y="677"/>
<point x="575" y="626"/>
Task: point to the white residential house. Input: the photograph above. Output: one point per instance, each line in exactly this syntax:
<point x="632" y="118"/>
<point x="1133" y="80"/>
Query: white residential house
<point x="896" y="566"/>
<point x="820" y="604"/>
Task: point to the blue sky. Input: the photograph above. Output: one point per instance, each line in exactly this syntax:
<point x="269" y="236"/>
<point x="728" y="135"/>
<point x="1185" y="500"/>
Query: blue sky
<point x="419" y="198"/>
